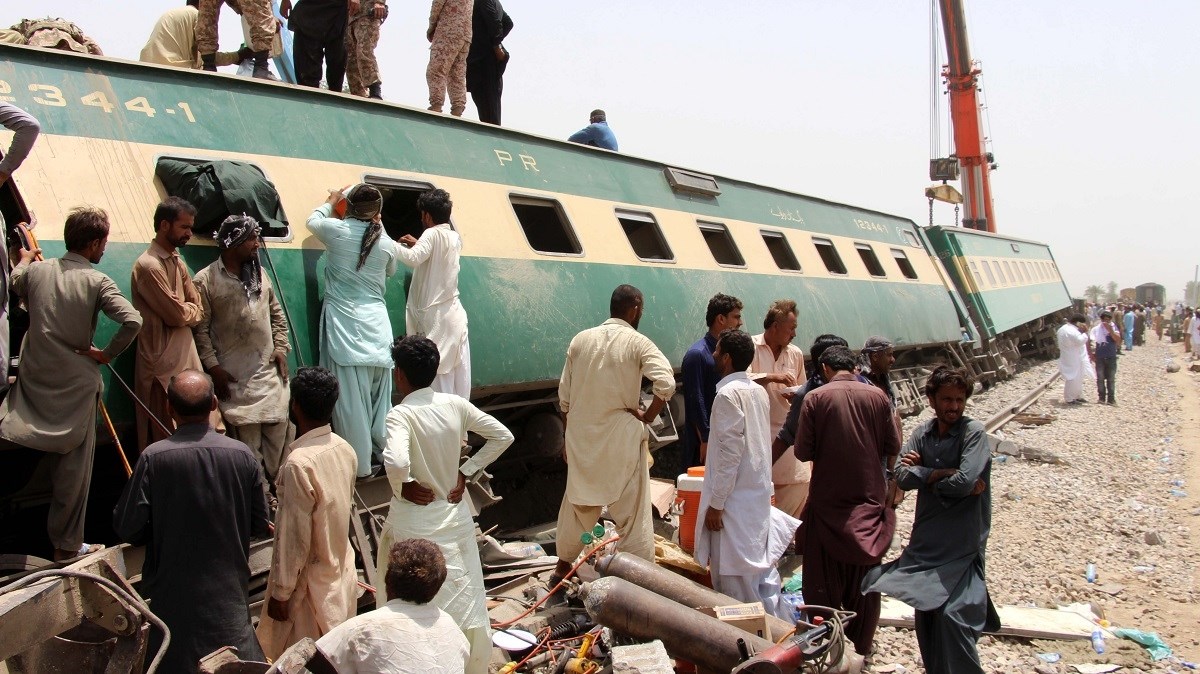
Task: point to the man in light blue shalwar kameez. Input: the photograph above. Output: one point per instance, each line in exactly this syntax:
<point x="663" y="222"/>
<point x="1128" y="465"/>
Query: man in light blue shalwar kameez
<point x="356" y="331"/>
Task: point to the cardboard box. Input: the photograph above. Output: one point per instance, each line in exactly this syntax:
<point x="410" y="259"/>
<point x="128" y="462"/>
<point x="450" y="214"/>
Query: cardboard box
<point x="750" y="618"/>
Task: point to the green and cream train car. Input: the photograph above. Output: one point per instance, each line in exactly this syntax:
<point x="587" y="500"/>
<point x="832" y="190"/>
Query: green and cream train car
<point x="1012" y="288"/>
<point x="549" y="227"/>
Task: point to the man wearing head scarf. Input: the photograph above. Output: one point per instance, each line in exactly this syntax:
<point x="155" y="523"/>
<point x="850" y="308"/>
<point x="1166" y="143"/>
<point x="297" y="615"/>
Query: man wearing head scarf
<point x="242" y="340"/>
<point x="356" y="330"/>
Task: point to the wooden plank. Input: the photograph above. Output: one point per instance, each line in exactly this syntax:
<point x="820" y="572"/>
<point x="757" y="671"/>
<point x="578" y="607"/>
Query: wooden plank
<point x="1016" y="621"/>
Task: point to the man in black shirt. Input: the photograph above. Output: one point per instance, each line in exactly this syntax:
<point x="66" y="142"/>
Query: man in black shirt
<point x="320" y="35"/>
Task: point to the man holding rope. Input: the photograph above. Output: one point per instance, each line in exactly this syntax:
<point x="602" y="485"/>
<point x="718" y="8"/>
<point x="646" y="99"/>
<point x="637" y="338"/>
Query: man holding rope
<point x="52" y="408"/>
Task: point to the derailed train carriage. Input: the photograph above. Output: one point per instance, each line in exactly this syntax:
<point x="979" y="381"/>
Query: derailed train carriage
<point x="549" y="229"/>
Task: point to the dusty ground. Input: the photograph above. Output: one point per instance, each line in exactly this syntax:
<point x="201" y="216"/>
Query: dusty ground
<point x="1110" y="504"/>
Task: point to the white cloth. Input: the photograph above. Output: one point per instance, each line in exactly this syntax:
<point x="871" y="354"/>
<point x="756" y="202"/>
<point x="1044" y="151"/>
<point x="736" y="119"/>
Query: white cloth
<point x="788" y="469"/>
<point x="601" y="381"/>
<point x="764" y="586"/>
<point x="1194" y="330"/>
<point x="1073" y="360"/>
<point x="400" y="638"/>
<point x="433" y="308"/>
<point x="424" y="441"/>
<point x="737" y="480"/>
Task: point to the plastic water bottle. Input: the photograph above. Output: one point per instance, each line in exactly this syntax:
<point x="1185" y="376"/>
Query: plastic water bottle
<point x="1090" y="572"/>
<point x="1098" y="641"/>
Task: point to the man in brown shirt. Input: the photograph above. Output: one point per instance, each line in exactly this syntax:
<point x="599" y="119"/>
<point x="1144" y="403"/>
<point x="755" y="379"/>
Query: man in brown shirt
<point x="846" y="430"/>
<point x="170" y="305"/>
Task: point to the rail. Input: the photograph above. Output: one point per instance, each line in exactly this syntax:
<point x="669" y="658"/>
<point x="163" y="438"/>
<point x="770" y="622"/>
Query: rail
<point x="997" y="420"/>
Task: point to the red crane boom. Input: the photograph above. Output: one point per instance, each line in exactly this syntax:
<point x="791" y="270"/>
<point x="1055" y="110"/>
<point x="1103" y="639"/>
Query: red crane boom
<point x="962" y="81"/>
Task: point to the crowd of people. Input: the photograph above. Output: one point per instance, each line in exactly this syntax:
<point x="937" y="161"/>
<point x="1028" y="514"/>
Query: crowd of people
<point x="1089" y="345"/>
<point x="828" y="448"/>
<point x="230" y="440"/>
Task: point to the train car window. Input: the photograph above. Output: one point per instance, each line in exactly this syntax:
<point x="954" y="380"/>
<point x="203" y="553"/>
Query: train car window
<point x="987" y="267"/>
<point x="645" y="236"/>
<point x="1027" y="272"/>
<point x="781" y="250"/>
<point x="1009" y="273"/>
<point x="546" y="226"/>
<point x="870" y="259"/>
<point x="910" y="238"/>
<point x="218" y="188"/>
<point x="829" y="255"/>
<point x="399" y="212"/>
<point x="999" y="272"/>
<point x="906" y="267"/>
<point x="975" y="273"/>
<point x="721" y="244"/>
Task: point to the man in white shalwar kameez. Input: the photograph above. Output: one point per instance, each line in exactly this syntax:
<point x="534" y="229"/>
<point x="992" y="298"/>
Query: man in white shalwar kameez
<point x="1073" y="361"/>
<point x="424" y="442"/>
<point x="734" y="537"/>
<point x="433" y="309"/>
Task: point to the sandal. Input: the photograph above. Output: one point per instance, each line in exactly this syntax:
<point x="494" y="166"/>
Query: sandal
<point x="85" y="549"/>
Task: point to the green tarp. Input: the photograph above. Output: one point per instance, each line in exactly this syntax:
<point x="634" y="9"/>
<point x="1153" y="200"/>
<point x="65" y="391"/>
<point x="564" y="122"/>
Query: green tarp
<point x="220" y="188"/>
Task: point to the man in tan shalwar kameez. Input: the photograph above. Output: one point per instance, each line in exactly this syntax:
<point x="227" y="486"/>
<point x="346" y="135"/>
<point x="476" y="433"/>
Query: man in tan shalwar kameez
<point x="313" y="583"/>
<point x="52" y="408"/>
<point x="170" y="305"/>
<point x="605" y="448"/>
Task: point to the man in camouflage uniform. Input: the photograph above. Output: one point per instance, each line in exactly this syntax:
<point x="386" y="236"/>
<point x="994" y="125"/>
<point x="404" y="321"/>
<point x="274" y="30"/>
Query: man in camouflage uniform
<point x="361" y="38"/>
<point x="257" y="14"/>
<point x="450" y="36"/>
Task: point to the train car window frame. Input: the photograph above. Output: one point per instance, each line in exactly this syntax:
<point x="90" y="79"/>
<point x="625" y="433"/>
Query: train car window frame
<point x="991" y="274"/>
<point x="907" y="270"/>
<point x="782" y="248"/>
<point x="1000" y="273"/>
<point x="388" y="186"/>
<point x="870" y="260"/>
<point x="291" y="230"/>
<point x="830" y="256"/>
<point x="1008" y="268"/>
<point x="567" y="230"/>
<point x="975" y="273"/>
<point x="719" y="232"/>
<point x="911" y="238"/>
<point x="651" y="233"/>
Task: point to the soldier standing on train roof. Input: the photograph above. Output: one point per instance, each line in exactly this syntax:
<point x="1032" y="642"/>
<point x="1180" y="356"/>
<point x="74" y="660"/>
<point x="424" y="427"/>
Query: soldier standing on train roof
<point x="433" y="309"/>
<point x="52" y="408"/>
<point x="319" y="34"/>
<point x="487" y="58"/>
<point x="362" y="36"/>
<point x="606" y="447"/>
<point x="699" y="375"/>
<point x="356" y="330"/>
<point x="170" y="305"/>
<point x="449" y="35"/>
<point x="242" y="340"/>
<point x="257" y="14"/>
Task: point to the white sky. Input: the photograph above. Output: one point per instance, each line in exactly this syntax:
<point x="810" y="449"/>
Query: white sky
<point x="1089" y="103"/>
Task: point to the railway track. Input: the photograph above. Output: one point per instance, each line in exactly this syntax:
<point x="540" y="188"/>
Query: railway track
<point x="999" y="419"/>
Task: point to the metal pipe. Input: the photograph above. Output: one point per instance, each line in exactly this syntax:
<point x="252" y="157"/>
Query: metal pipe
<point x="710" y="644"/>
<point x="668" y="584"/>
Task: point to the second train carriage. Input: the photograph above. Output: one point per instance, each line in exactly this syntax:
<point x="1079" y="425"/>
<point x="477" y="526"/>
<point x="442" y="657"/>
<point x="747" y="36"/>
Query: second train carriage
<point x="549" y="229"/>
